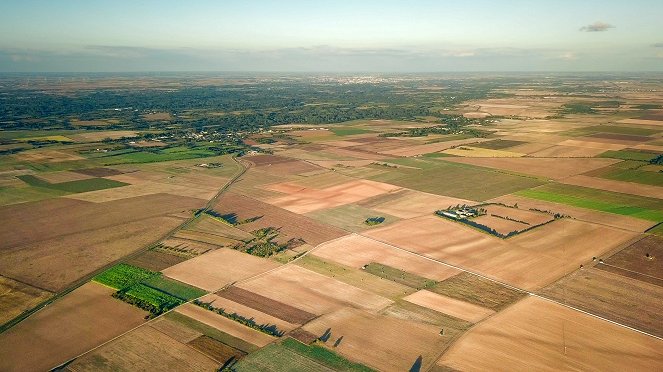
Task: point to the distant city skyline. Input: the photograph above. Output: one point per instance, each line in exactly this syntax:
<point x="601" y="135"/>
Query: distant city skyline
<point x="333" y="36"/>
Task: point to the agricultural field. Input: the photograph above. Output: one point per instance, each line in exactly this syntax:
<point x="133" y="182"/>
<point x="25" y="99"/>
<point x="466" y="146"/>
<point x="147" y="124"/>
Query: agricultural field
<point x="539" y="334"/>
<point x="459" y="180"/>
<point x="213" y="270"/>
<point x="297" y="223"/>
<point x="619" y="298"/>
<point x="63" y="330"/>
<point x="16" y="297"/>
<point x="369" y="339"/>
<point x="606" y="201"/>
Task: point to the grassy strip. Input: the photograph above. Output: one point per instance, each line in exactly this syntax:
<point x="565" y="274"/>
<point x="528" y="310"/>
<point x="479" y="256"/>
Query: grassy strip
<point x="592" y="202"/>
<point x="399" y="276"/>
<point x="269" y="329"/>
<point x="324" y="356"/>
<point x="86" y="185"/>
<point x="212" y="332"/>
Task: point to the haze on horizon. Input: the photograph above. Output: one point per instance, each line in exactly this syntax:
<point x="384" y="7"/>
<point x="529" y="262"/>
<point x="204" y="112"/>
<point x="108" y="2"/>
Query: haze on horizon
<point x="334" y="36"/>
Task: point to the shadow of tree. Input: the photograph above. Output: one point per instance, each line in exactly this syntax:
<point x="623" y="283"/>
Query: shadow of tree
<point x="416" y="367"/>
<point x="325" y="336"/>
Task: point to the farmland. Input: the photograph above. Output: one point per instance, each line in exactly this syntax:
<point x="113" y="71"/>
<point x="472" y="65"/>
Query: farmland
<point x="297" y="223"/>
<point x="605" y="201"/>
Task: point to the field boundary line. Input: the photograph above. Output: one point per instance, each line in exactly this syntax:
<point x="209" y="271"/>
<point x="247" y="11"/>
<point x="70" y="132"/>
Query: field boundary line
<point x="150" y="321"/>
<point x="534" y="294"/>
<point x="88" y="278"/>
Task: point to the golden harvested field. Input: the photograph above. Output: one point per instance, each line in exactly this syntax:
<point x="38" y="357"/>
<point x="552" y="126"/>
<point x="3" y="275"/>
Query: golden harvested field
<point x="16" y="297"/>
<point x="19" y="220"/>
<point x="205" y="238"/>
<point x="566" y="152"/>
<point x="612" y="296"/>
<point x="215" y="269"/>
<point x="500" y="225"/>
<point x="379" y="341"/>
<point x="144" y="349"/>
<point x="641" y="122"/>
<point x="46" y="156"/>
<point x="304" y="200"/>
<point x="259" y="317"/>
<point x="174" y="329"/>
<point x="210" y="225"/>
<point x="82" y="320"/>
<point x="276" y="309"/>
<point x="311" y="291"/>
<point x="55" y="263"/>
<point x="288" y="168"/>
<point x="290" y="225"/>
<point x="529" y="260"/>
<point x="450" y="306"/>
<point x="478" y="152"/>
<point x="414" y="150"/>
<point x="616" y="186"/>
<point x="357" y="251"/>
<point x="411" y="203"/>
<point x="226" y="325"/>
<point x="536" y="334"/>
<point x="549" y="168"/>
<point x="593" y="144"/>
<point x="524" y="215"/>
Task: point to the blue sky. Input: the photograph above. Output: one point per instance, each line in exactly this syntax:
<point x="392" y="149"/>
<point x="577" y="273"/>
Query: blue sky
<point x="372" y="36"/>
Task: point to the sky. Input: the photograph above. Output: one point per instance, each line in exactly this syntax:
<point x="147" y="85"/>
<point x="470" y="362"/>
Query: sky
<point x="330" y="36"/>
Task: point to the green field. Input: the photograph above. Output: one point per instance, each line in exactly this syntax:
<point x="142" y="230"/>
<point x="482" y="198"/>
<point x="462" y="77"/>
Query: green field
<point x="173" y="287"/>
<point x="25" y="134"/>
<point x="399" y="276"/>
<point x="122" y="276"/>
<point x="613" y="129"/>
<point x="452" y="179"/>
<point x="157" y="301"/>
<point x="90" y="184"/>
<point x="277" y="358"/>
<point x="476" y="290"/>
<point x="629" y="205"/>
<point x="55" y="138"/>
<point x="169" y="154"/>
<point x="349" y="131"/>
<point x="350" y="217"/>
<point x="14" y="195"/>
<point x="631" y="175"/>
<point x="629" y="155"/>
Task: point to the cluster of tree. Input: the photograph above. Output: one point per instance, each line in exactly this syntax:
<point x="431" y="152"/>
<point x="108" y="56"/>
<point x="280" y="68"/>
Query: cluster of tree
<point x="658" y="160"/>
<point x="372" y="221"/>
<point x="244" y="106"/>
<point x="269" y="329"/>
<point x="450" y="124"/>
